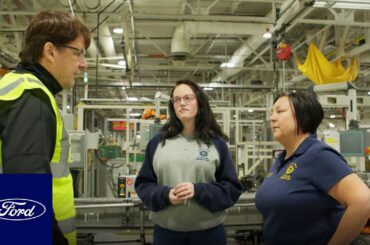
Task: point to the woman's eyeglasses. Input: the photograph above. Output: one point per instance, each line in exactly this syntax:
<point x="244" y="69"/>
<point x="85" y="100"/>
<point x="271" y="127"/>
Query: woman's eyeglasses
<point x="187" y="99"/>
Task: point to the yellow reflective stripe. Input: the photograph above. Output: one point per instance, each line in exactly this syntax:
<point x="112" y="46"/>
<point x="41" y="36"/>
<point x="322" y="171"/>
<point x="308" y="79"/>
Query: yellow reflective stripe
<point x="58" y="138"/>
<point x="69" y="151"/>
<point x="33" y="80"/>
<point x="9" y="87"/>
<point x="12" y="92"/>
<point x="59" y="170"/>
<point x="63" y="202"/>
<point x="65" y="146"/>
<point x="67" y="225"/>
<point x="72" y="238"/>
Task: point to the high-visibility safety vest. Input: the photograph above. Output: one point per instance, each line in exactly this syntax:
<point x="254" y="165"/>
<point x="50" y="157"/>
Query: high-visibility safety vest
<point x="12" y="86"/>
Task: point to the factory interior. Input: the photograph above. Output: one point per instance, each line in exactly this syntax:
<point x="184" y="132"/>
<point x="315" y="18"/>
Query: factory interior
<point x="241" y="52"/>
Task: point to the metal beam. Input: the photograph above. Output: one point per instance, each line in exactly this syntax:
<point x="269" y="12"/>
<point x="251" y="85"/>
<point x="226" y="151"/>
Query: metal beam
<point x="170" y="85"/>
<point x="218" y="18"/>
<point x="333" y="22"/>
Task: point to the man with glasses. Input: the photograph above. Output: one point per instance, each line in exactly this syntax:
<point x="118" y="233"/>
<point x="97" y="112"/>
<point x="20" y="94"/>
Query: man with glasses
<point x="33" y="138"/>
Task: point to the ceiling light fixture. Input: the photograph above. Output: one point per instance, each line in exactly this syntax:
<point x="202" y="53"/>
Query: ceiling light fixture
<point x="122" y="63"/>
<point x="132" y="99"/>
<point x="136" y="114"/>
<point x="118" y="30"/>
<point x="267" y="34"/>
<point x="342" y="4"/>
<point x="114" y="66"/>
<point x="227" y="65"/>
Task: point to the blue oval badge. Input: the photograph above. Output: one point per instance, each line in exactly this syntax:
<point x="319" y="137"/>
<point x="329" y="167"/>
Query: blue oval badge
<point x="19" y="209"/>
<point x="203" y="153"/>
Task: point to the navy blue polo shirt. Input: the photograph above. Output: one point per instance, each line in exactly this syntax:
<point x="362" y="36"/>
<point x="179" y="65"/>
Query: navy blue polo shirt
<point x="293" y="197"/>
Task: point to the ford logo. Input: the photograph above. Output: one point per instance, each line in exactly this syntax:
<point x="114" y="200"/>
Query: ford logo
<point x="203" y="153"/>
<point x="18" y="209"/>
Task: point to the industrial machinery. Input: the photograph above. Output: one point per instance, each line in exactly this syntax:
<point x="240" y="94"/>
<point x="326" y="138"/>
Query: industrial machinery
<point x="108" y="157"/>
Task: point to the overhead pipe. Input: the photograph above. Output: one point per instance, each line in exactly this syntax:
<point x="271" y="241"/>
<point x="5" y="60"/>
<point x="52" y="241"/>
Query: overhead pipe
<point x="187" y="29"/>
<point x="290" y="9"/>
<point x="97" y="39"/>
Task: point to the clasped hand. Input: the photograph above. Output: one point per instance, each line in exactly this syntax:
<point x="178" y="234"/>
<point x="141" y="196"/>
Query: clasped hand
<point x="181" y="193"/>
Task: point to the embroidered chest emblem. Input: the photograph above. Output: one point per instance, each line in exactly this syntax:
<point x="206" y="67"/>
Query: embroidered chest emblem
<point x="288" y="172"/>
<point x="203" y="154"/>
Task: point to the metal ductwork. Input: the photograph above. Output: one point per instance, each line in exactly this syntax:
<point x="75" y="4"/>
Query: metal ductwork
<point x="290" y="10"/>
<point x="187" y="29"/>
<point x="239" y="56"/>
<point x="180" y="43"/>
<point x="6" y="60"/>
<point x="107" y="41"/>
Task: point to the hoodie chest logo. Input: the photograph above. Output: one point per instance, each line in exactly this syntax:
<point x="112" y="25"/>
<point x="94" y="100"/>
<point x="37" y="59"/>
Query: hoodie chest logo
<point x="202" y="155"/>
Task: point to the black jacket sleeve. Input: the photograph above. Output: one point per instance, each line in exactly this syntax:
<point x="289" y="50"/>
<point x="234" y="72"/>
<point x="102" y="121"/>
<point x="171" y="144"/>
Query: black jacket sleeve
<point x="226" y="190"/>
<point x="154" y="196"/>
<point x="28" y="136"/>
<point x="27" y="131"/>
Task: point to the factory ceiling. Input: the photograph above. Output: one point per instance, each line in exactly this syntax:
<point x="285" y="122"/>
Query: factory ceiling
<point x="218" y="43"/>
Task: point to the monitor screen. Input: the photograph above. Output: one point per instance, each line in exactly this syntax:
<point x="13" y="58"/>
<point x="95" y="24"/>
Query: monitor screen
<point x="351" y="143"/>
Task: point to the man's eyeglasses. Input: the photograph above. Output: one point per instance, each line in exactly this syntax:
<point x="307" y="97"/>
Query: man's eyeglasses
<point x="79" y="53"/>
<point x="187" y="99"/>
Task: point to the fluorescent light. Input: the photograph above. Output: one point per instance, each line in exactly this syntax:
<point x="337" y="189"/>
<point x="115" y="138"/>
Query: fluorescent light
<point x="267" y="34"/>
<point x="331" y="125"/>
<point x="209" y="89"/>
<point x="132" y="98"/>
<point x="332" y="116"/>
<point x="343" y="4"/>
<point x="351" y="6"/>
<point x="122" y="63"/>
<point x="118" y="30"/>
<point x="112" y="66"/>
<point x="368" y="93"/>
<point x="215" y="85"/>
<point x="134" y="114"/>
<point x="227" y="65"/>
<point x="250" y="110"/>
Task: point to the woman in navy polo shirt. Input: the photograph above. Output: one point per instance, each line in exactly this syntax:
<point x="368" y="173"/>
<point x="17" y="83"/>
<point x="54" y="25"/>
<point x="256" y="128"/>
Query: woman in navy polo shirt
<point x="310" y="195"/>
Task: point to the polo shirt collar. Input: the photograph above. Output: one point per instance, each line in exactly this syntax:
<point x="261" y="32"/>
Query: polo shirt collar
<point x="302" y="148"/>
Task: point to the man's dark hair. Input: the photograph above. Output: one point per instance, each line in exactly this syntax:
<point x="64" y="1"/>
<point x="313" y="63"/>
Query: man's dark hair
<point x="206" y="126"/>
<point x="59" y="28"/>
<point x="308" y="111"/>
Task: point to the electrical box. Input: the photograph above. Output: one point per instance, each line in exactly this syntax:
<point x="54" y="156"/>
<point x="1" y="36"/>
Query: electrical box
<point x="121" y="186"/>
<point x="354" y="142"/>
<point x="148" y="129"/>
<point x="78" y="148"/>
<point x="68" y="120"/>
<point x="126" y="186"/>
